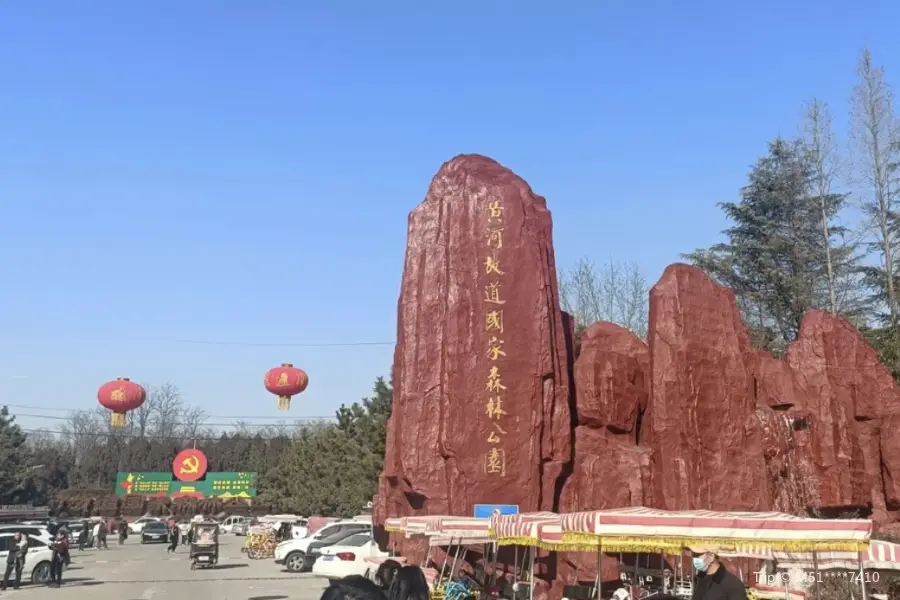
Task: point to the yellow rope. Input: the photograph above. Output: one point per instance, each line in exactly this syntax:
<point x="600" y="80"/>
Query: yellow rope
<point x="608" y="545"/>
<point x="631" y="544"/>
<point x="581" y="542"/>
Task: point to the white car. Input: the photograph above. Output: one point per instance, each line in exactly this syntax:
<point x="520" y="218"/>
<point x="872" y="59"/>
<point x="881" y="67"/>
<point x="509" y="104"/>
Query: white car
<point x="348" y="558"/>
<point x="37" y="531"/>
<point x="37" y="561"/>
<point x="292" y="553"/>
<point x="228" y="524"/>
<point x="138" y="525"/>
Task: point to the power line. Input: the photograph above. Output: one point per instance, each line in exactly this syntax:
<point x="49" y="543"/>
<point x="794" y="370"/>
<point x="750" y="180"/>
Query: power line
<point x="71" y="410"/>
<point x="199" y="424"/>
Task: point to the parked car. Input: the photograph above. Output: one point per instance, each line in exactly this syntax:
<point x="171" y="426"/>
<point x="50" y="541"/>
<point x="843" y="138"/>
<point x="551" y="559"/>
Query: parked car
<point x="154" y="533"/>
<point x="75" y="528"/>
<point x="37" y="560"/>
<point x="299" y="555"/>
<point x="228" y="524"/>
<point x="348" y="557"/>
<point x="138" y="525"/>
<point x="243" y="527"/>
<point x="38" y="531"/>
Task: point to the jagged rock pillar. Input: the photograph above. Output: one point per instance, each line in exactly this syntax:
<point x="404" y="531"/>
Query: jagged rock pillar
<point x="481" y="408"/>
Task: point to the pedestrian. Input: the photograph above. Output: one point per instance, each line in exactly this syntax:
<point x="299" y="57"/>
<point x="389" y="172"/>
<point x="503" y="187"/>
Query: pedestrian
<point x="713" y="580"/>
<point x="386" y="572"/>
<point x="409" y="583"/>
<point x="353" y="587"/>
<point x="101" y="536"/>
<point x="59" y="557"/>
<point x="173" y="538"/>
<point x="122" y="529"/>
<point x="83" y="534"/>
<point x="15" y="561"/>
<point x="95" y="533"/>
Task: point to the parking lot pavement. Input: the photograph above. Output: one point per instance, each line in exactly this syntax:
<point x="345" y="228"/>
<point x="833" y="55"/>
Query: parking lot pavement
<point x="146" y="572"/>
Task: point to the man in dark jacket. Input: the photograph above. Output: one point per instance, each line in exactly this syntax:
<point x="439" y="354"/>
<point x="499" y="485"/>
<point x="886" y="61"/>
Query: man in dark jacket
<point x="714" y="581"/>
<point x="59" y="558"/>
<point x="15" y="560"/>
<point x="83" y="534"/>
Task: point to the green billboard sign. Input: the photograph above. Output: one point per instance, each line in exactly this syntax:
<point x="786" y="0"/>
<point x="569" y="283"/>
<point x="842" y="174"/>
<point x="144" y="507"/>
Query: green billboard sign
<point x="164" y="485"/>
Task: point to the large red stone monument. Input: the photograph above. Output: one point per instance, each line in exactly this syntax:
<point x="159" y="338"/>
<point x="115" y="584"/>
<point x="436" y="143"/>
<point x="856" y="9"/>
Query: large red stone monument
<point x="491" y="404"/>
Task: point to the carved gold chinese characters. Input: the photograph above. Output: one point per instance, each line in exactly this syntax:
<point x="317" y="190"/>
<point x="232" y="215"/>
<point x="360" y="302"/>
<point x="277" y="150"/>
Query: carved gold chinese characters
<point x="495" y="457"/>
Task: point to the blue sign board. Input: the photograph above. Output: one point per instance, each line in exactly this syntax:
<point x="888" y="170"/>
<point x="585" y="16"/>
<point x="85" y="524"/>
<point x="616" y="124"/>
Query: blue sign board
<point x="484" y="511"/>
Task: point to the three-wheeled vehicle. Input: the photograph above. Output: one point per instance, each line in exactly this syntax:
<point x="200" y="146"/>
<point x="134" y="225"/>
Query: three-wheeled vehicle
<point x="204" y="544"/>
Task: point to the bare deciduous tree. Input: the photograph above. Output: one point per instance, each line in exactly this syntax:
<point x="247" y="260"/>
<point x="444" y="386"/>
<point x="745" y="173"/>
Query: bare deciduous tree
<point x="873" y="131"/>
<point x="84" y="432"/>
<point x="842" y="294"/>
<point x="166" y="409"/>
<point x="818" y="138"/>
<point x="616" y="292"/>
<point x="192" y="420"/>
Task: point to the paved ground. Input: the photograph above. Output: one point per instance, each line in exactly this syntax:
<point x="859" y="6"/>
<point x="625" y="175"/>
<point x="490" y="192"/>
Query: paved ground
<point x="146" y="572"/>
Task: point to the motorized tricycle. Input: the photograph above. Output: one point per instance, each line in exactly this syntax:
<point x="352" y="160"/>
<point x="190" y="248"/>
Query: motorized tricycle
<point x="204" y="544"/>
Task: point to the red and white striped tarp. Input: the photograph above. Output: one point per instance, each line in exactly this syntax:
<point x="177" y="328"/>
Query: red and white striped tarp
<point x="505" y="522"/>
<point x="463" y="526"/>
<point x="880" y="556"/>
<point x="394" y="524"/>
<point x="524" y="529"/>
<point x="465" y="531"/>
<point x="550" y="534"/>
<point x="775" y="530"/>
<point x="436" y="541"/>
<point x="414" y="526"/>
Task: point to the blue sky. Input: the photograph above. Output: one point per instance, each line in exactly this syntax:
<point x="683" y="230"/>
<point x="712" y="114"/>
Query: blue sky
<point x="242" y="171"/>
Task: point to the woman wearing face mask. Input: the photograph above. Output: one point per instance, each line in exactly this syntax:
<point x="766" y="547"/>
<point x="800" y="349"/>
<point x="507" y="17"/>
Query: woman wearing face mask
<point x="714" y="581"/>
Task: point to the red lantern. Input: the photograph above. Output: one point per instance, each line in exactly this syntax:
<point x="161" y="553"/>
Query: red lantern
<point x="285" y="381"/>
<point x="120" y="396"/>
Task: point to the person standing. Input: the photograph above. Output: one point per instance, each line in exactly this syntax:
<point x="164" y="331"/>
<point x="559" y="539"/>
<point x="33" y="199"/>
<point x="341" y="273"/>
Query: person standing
<point x="59" y="557"/>
<point x="173" y="538"/>
<point x="15" y="560"/>
<point x="122" y="529"/>
<point x="83" y="534"/>
<point x="713" y="580"/>
<point x="102" y="531"/>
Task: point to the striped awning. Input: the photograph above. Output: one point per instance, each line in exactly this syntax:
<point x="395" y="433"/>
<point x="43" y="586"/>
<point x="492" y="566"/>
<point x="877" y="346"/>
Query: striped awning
<point x="640" y="527"/>
<point x="879" y="556"/>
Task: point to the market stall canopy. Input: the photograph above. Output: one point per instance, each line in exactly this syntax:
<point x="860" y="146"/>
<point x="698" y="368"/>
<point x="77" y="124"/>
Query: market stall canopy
<point x="879" y="556"/>
<point x="464" y="531"/>
<point x="527" y="529"/>
<point x="505" y="522"/>
<point x="414" y="526"/>
<point x="641" y="528"/>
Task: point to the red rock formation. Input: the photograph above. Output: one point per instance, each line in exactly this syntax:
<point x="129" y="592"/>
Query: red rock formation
<point x="481" y="392"/>
<point x="698" y="419"/>
<point x="612" y="376"/>
<point x="849" y="394"/>
<point x="706" y="439"/>
<point x="612" y="379"/>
